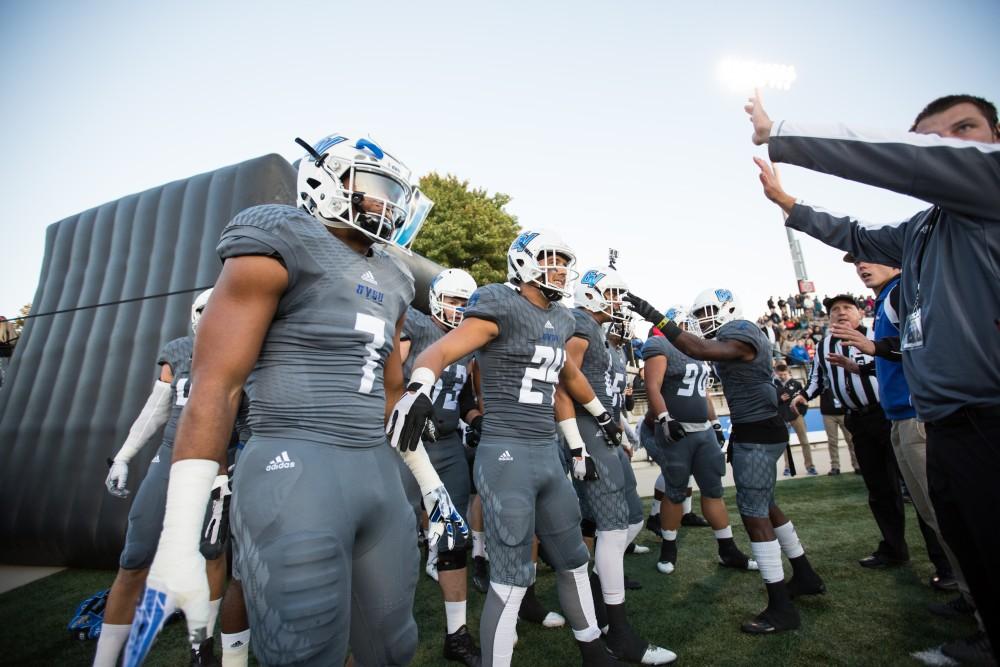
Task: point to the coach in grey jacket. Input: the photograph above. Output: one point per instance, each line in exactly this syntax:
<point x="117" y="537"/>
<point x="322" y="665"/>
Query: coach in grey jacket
<point x="950" y="257"/>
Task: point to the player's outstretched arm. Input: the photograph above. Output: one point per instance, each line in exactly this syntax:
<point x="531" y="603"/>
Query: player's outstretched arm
<point x="244" y="301"/>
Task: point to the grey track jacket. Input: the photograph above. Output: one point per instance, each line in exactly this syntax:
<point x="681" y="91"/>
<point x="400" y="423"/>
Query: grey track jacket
<point x="959" y="364"/>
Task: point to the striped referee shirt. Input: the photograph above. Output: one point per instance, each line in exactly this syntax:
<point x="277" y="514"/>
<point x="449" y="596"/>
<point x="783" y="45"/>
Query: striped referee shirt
<point x="854" y="391"/>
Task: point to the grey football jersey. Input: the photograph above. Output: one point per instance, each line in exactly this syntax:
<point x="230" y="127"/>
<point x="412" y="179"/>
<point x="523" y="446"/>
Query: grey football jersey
<point x="319" y="375"/>
<point x="596" y="363"/>
<point x="422" y="332"/>
<point x="618" y="375"/>
<point x="177" y="353"/>
<point x="747" y="385"/>
<point x="520" y="367"/>
<point x="684" y="385"/>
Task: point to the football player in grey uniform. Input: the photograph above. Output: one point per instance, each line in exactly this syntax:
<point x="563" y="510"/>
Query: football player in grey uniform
<point x="742" y="356"/>
<point x="325" y="562"/>
<point x="519" y="332"/>
<point x="449" y="292"/>
<point x="145" y="518"/>
<point x="684" y="437"/>
<point x="611" y="497"/>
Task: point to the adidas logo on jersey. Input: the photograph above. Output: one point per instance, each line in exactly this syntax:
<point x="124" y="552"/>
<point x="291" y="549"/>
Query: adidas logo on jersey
<point x="156" y="459"/>
<point x="505" y="456"/>
<point x="280" y="462"/>
<point x="548" y="325"/>
<point x="368" y="277"/>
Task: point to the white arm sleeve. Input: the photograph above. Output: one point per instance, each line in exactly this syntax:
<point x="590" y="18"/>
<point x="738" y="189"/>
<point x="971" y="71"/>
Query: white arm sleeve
<point x="571" y="432"/>
<point x="154" y="414"/>
<point x="420" y="465"/>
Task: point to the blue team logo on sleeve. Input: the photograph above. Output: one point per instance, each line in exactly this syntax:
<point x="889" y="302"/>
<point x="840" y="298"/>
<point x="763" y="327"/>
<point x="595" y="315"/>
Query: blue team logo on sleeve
<point x="671" y="314"/>
<point x="591" y="278"/>
<point x="522" y="241"/>
<point x="473" y="300"/>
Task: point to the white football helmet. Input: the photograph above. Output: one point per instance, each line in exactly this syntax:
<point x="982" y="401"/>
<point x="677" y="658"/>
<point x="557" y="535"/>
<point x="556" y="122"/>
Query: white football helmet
<point x="354" y="183"/>
<point x="682" y="318"/>
<point x="713" y="308"/>
<point x="601" y="291"/>
<point x="533" y="254"/>
<point x="198" y="307"/>
<point x="454" y="283"/>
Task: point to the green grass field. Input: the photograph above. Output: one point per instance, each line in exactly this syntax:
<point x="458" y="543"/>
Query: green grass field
<point x="866" y="617"/>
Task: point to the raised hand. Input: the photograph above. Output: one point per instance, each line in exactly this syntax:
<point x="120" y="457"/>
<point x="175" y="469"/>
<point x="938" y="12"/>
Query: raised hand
<point x="772" y="185"/>
<point x="761" y="121"/>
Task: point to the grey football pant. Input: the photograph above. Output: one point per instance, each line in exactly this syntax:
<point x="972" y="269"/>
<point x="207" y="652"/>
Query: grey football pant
<point x="755" y="474"/>
<point x="525" y="492"/>
<point x="611" y="501"/>
<point x="697" y="453"/>
<point x="145" y="518"/>
<point x="327" y="553"/>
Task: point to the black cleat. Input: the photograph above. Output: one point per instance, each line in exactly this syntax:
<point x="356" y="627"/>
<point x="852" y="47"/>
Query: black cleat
<point x="769" y="622"/>
<point x="943" y="582"/>
<point x="804" y="579"/>
<point x="627" y="646"/>
<point x="481" y="574"/>
<point x="692" y="520"/>
<point x="532" y="611"/>
<point x="731" y="556"/>
<point x="460" y="647"/>
<point x="204" y="655"/>
<point x="668" y="557"/>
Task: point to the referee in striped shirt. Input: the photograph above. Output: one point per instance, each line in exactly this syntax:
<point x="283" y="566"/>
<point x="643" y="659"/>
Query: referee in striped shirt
<point x="850" y="375"/>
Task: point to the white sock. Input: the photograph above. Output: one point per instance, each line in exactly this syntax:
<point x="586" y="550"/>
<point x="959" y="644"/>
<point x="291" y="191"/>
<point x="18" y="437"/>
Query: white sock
<point x="478" y="544"/>
<point x="110" y="643"/>
<point x="236" y="649"/>
<point x="655" y="507"/>
<point x="724" y="533"/>
<point x="503" y="640"/>
<point x="582" y="596"/>
<point x="454" y="612"/>
<point x="608" y="555"/>
<point x="789" y="540"/>
<point x="668" y="535"/>
<point x="687" y="505"/>
<point x="213" y="613"/>
<point x="768" y="557"/>
<point x="634" y="530"/>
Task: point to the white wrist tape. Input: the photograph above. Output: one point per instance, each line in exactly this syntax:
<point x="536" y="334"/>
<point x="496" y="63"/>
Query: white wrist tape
<point x="423" y="471"/>
<point x="663" y="416"/>
<point x="571" y="432"/>
<point x="154" y="414"/>
<point x="594" y="407"/>
<point x="425" y="378"/>
<point x="188" y="491"/>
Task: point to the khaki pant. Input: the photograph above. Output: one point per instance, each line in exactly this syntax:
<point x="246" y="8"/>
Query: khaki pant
<point x="909" y="442"/>
<point x="800" y="430"/>
<point x="834" y="424"/>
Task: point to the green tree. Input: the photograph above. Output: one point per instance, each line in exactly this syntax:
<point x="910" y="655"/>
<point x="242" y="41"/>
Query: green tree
<point x="467" y="228"/>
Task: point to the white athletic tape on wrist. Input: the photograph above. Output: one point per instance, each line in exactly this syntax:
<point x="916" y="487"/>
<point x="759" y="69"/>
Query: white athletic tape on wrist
<point x="154" y="414"/>
<point x="663" y="416"/>
<point x="188" y="491"/>
<point x="571" y="432"/>
<point x="594" y="407"/>
<point x="423" y="470"/>
<point x="425" y="378"/>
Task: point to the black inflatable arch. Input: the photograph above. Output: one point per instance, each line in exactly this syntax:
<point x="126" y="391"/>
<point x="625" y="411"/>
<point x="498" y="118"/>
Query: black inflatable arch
<point x="78" y="379"/>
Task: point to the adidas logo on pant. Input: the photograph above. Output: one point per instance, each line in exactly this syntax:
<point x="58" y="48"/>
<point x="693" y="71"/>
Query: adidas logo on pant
<point x="281" y="461"/>
<point x="505" y="456"/>
<point x="156" y="459"/>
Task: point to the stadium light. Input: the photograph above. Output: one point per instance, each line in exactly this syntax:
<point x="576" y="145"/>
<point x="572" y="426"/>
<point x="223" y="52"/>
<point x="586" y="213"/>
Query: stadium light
<point x="744" y="75"/>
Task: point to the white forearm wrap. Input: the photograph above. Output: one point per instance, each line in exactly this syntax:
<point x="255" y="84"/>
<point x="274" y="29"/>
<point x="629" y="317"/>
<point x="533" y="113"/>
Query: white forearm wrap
<point x="188" y="491"/>
<point x="571" y="432"/>
<point x="594" y="407"/>
<point x="663" y="416"/>
<point x="154" y="414"/>
<point x="423" y="471"/>
<point x="425" y="377"/>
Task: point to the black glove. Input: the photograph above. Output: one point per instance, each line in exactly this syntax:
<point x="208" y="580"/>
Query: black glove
<point x="719" y="435"/>
<point x="646" y="311"/>
<point x="610" y="430"/>
<point x="583" y="470"/>
<point x="672" y="429"/>
<point x="474" y="432"/>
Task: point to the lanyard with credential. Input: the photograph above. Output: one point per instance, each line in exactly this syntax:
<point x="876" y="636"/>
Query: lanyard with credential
<point x="913" y="334"/>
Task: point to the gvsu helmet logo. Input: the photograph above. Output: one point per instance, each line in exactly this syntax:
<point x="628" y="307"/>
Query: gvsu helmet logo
<point x="723" y="295"/>
<point x="522" y="241"/>
<point x="591" y="278"/>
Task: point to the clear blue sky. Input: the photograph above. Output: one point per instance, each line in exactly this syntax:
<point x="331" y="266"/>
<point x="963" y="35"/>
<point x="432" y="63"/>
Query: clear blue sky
<point x="604" y="121"/>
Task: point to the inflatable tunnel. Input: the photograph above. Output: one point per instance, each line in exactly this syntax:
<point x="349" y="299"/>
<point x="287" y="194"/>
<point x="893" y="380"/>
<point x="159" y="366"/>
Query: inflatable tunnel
<point x="79" y="377"/>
